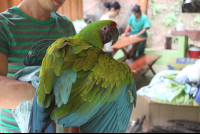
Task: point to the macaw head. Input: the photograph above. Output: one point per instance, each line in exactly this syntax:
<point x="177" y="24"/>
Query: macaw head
<point x="99" y="33"/>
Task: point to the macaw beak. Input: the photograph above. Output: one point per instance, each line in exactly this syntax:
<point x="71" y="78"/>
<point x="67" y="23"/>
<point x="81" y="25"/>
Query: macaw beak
<point x="112" y="35"/>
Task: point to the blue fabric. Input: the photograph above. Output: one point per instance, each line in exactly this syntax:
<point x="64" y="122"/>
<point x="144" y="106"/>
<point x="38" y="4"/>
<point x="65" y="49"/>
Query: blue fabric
<point x="197" y="97"/>
<point x="138" y="25"/>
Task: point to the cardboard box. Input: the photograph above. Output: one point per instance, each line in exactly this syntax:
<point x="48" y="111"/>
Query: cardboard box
<point x="159" y="113"/>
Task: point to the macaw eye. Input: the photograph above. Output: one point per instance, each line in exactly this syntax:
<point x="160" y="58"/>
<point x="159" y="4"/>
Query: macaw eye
<point x="104" y="28"/>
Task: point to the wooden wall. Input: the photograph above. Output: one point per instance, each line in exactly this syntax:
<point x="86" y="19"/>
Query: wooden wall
<point x="73" y="9"/>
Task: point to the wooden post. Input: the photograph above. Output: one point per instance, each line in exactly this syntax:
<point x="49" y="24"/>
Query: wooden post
<point x="80" y="9"/>
<point x="144" y="6"/>
<point x="14" y="2"/>
<point x="3" y="5"/>
<point x="67" y="8"/>
<point x="74" y="9"/>
<point x="168" y="42"/>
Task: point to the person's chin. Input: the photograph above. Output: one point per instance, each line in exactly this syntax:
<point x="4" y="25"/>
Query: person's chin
<point x="54" y="8"/>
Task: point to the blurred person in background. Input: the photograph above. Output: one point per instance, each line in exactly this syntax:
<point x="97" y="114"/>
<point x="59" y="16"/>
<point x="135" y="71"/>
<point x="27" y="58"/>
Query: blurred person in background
<point x="113" y="11"/>
<point x="139" y="24"/>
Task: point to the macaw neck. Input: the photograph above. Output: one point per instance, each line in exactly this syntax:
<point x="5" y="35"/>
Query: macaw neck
<point x="94" y="39"/>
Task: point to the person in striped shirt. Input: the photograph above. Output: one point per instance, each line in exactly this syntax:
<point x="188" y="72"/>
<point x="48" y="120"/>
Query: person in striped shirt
<point x="20" y="28"/>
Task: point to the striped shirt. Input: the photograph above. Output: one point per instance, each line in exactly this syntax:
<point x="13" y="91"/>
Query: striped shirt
<point x="18" y="33"/>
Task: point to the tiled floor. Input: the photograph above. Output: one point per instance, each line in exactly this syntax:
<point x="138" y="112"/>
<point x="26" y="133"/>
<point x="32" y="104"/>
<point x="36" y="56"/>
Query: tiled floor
<point x="145" y="80"/>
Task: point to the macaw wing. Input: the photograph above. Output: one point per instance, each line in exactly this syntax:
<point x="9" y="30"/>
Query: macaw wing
<point x="51" y="66"/>
<point x="100" y="81"/>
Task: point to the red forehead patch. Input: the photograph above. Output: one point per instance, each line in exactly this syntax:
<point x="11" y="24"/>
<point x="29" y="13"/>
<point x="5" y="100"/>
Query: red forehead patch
<point x="113" y="25"/>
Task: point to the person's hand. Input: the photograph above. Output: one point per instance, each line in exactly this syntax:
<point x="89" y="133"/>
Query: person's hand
<point x="135" y="35"/>
<point x="124" y="34"/>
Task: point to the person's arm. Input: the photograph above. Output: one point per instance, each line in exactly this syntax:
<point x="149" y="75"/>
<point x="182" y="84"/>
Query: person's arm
<point x="126" y="30"/>
<point x="141" y="32"/>
<point x="12" y="92"/>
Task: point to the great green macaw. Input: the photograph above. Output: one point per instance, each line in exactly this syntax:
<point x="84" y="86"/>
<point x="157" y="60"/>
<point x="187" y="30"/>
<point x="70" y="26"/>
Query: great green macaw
<point x="82" y="86"/>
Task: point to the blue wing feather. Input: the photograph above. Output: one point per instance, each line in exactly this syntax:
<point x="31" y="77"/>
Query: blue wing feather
<point x="63" y="86"/>
<point x="75" y="119"/>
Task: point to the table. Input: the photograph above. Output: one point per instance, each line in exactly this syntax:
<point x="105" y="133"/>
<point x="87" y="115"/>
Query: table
<point x="126" y="41"/>
<point x="138" y="65"/>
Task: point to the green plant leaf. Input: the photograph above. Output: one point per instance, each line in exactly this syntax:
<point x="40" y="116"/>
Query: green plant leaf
<point x="197" y="19"/>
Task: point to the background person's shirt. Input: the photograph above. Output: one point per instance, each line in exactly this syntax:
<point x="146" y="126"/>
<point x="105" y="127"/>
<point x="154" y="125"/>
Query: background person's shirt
<point x="108" y="46"/>
<point x="138" y="25"/>
<point x="18" y="33"/>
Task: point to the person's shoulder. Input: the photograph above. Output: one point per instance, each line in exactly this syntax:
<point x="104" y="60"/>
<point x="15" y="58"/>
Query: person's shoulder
<point x="64" y="21"/>
<point x="61" y="17"/>
<point x="10" y="13"/>
<point x="104" y="17"/>
<point x="6" y="15"/>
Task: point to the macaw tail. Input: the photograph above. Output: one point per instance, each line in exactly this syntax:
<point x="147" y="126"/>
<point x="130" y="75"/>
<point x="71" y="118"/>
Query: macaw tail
<point x="40" y="121"/>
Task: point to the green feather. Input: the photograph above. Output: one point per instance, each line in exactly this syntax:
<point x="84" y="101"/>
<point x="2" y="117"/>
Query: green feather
<point x="63" y="44"/>
<point x="93" y="94"/>
<point x="81" y="48"/>
<point x="68" y="51"/>
<point x="87" y="95"/>
<point x="49" y="80"/>
<point x="79" y="82"/>
<point x="90" y="83"/>
<point x="78" y="65"/>
<point x="98" y="81"/>
<point x="91" y="75"/>
<point x="97" y="98"/>
<point x="74" y="94"/>
<point x="49" y="61"/>
<point x="82" y="73"/>
<point x="86" y="106"/>
<point x="57" y="63"/>
<point x="61" y="112"/>
<point x="131" y="96"/>
<point x="58" y="53"/>
<point x="75" y="41"/>
<point x="83" y="53"/>
<point x="72" y="57"/>
<point x="114" y="94"/>
<point x="55" y="46"/>
<point x="106" y="95"/>
<point x="76" y="103"/>
<point x="87" y="66"/>
<point x="67" y="66"/>
<point x="47" y="101"/>
<point x="41" y="95"/>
